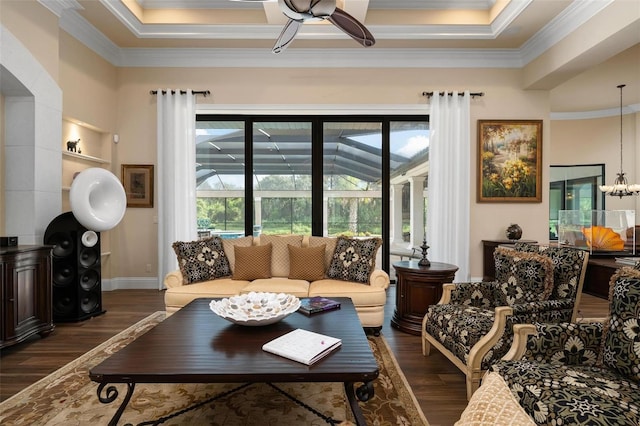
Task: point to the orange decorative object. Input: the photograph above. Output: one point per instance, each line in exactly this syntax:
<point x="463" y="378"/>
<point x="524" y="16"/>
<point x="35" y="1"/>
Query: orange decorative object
<point x="603" y="238"/>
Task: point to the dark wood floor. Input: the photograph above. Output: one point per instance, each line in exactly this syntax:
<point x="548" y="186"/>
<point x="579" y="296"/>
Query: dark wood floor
<point x="437" y="384"/>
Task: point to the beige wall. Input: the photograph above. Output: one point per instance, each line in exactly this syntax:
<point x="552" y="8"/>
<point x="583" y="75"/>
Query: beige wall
<point x="89" y="85"/>
<point x="36" y="27"/>
<point x="597" y="141"/>
<point x="117" y="101"/>
<point x="340" y="87"/>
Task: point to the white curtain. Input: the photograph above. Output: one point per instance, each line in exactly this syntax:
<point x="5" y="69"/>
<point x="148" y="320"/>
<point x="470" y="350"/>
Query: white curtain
<point x="448" y="187"/>
<point x="176" y="175"/>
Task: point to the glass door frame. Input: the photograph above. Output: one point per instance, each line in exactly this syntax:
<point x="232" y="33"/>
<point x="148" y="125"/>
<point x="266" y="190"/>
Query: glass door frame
<point x="317" y="153"/>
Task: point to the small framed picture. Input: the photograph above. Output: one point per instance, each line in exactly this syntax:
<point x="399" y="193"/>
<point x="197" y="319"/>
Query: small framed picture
<point x="509" y="161"/>
<point x="137" y="180"/>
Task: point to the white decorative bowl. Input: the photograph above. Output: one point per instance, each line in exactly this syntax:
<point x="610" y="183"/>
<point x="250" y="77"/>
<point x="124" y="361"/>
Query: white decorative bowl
<point x="255" y="308"/>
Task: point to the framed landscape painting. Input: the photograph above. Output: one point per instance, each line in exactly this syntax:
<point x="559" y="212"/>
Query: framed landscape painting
<point x="510" y="161"/>
<point x="137" y="180"/>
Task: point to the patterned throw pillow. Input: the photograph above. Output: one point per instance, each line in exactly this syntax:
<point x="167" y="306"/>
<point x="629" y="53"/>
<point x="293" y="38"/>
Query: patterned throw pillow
<point x="280" y="252"/>
<point x="252" y="263"/>
<point x="354" y="259"/>
<point x="568" y="269"/>
<point x="523" y="277"/>
<point x="306" y="263"/>
<point x="202" y="260"/>
<point x="621" y="342"/>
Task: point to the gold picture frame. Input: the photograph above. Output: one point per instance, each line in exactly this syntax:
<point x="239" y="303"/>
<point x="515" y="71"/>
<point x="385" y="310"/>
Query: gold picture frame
<point x="509" y="161"/>
<point x="137" y="180"/>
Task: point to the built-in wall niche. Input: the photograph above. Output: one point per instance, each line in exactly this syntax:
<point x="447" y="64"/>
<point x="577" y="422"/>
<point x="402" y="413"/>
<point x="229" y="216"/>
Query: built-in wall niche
<point x="574" y="187"/>
<point x="82" y="146"/>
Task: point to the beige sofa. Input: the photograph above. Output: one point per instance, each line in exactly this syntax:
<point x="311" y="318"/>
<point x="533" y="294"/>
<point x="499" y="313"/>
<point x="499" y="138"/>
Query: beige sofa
<point x="368" y="298"/>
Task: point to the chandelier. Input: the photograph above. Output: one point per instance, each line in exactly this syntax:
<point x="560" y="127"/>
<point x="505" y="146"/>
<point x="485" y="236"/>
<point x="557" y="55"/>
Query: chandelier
<point x="620" y="187"/>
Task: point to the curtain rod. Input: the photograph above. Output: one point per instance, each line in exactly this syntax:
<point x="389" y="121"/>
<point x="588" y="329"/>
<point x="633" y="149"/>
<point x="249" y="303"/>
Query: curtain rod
<point x="473" y="94"/>
<point x="204" y="93"/>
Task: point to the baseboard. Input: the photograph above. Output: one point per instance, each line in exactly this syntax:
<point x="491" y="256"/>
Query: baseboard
<point x="130" y="283"/>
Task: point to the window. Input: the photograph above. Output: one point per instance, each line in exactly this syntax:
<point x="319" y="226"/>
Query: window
<point x="220" y="183"/>
<point x="574" y="188"/>
<point x="315" y="175"/>
<point x="352" y="178"/>
<point x="282" y="177"/>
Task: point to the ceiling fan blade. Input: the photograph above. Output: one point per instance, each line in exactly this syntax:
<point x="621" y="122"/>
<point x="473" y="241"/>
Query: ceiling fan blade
<point x="287" y="35"/>
<point x="352" y="27"/>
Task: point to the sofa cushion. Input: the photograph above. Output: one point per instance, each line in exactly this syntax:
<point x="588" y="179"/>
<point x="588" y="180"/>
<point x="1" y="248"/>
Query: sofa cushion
<point x="220" y="287"/>
<point x="306" y="263"/>
<point x="621" y="342"/>
<point x="568" y="267"/>
<point x="202" y="260"/>
<point x="252" y="262"/>
<point x="330" y="247"/>
<point x="354" y="259"/>
<point x="460" y="327"/>
<point x="280" y="252"/>
<point x="229" y="243"/>
<point x="298" y="288"/>
<point x="523" y="277"/>
<point x="494" y="404"/>
<point x="361" y="295"/>
<point x="554" y="394"/>
<point x="566" y="343"/>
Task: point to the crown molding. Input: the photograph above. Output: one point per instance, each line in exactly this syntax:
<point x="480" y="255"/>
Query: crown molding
<point x="87" y="34"/>
<point x="397" y="4"/>
<point x="58" y="7"/>
<point x="570" y="19"/>
<point x="434" y="4"/>
<point x="322" y="58"/>
<point x="508" y="15"/>
<point x="271" y="32"/>
<point x="590" y="115"/>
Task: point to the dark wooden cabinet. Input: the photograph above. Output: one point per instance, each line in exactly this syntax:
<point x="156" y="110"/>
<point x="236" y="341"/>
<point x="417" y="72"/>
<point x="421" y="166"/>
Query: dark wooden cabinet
<point x="417" y="288"/>
<point x="488" y="263"/>
<point x="598" y="275"/>
<point x="25" y="293"/>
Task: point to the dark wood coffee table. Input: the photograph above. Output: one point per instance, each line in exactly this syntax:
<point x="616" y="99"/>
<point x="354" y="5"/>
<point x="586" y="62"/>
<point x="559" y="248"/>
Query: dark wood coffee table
<point x="194" y="345"/>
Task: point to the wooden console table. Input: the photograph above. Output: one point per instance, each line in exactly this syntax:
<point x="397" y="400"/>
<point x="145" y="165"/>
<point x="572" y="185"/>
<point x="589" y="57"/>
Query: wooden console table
<point x="416" y="289"/>
<point x="25" y="293"/>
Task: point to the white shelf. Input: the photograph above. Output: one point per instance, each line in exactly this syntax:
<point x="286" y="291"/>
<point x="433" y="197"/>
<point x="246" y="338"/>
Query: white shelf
<point x="85" y="157"/>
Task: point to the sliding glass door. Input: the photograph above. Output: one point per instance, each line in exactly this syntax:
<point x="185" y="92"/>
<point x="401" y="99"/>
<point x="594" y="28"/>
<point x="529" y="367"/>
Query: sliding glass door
<point x="282" y="177"/>
<point x="220" y="178"/>
<point x="317" y="175"/>
<point x="352" y="177"/>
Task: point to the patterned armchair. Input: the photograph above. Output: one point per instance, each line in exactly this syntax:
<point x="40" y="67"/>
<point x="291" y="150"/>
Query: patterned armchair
<point x="570" y="373"/>
<point x="472" y="324"/>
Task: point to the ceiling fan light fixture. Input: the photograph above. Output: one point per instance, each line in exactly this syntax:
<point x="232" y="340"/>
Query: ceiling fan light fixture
<point x="301" y="11"/>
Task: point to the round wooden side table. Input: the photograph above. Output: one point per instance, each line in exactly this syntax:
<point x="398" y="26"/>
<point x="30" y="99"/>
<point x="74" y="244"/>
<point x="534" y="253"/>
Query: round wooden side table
<point x="418" y="287"/>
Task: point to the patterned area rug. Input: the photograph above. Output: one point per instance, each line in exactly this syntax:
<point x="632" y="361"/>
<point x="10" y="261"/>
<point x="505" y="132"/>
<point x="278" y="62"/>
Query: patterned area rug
<point x="68" y="397"/>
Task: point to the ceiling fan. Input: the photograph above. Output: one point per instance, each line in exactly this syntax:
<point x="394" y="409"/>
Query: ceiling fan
<point x="301" y="11"/>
